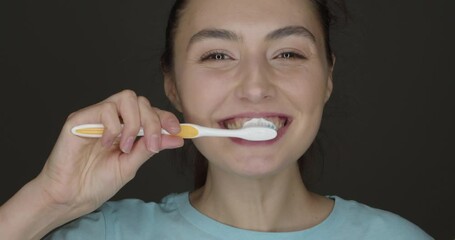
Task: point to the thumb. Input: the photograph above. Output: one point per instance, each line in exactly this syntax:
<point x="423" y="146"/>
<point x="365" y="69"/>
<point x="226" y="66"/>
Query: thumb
<point x="171" y="142"/>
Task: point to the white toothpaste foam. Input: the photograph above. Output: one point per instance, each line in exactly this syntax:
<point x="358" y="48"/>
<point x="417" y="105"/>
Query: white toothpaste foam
<point x="259" y="122"/>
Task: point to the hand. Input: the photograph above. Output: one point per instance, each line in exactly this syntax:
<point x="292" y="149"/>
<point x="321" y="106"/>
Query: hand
<point x="83" y="173"/>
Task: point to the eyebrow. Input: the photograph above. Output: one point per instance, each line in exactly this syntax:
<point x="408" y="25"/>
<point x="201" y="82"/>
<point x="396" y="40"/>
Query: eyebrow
<point x="214" y="33"/>
<point x="290" y="31"/>
<point x="224" y="34"/>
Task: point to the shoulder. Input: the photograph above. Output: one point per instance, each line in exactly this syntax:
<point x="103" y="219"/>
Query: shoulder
<point x="127" y="209"/>
<point x="373" y="223"/>
<point x="88" y="226"/>
<point x="134" y="217"/>
<point x="119" y="219"/>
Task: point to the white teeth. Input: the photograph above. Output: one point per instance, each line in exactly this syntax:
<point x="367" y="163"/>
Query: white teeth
<point x="279" y="125"/>
<point x="232" y="125"/>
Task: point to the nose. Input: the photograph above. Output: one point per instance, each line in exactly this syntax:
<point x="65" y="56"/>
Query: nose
<point x="255" y="83"/>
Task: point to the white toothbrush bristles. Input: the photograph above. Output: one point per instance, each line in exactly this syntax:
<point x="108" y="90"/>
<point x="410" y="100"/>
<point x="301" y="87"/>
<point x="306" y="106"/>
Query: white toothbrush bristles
<point x="259" y="122"/>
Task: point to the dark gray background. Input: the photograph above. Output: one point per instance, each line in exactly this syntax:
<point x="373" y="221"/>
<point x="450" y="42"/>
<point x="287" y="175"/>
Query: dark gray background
<point x="388" y="132"/>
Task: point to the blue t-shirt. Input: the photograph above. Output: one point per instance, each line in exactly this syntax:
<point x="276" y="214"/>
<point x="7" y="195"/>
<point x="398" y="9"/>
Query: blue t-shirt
<point x="176" y="218"/>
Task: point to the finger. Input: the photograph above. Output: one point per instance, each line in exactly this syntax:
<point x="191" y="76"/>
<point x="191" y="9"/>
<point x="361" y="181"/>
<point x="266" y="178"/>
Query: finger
<point x="104" y="112"/>
<point x="171" y="142"/>
<point x="152" y="120"/>
<point x="171" y="124"/>
<point x="128" y="109"/>
<point x="112" y="126"/>
<point x="151" y="124"/>
<point x="169" y="121"/>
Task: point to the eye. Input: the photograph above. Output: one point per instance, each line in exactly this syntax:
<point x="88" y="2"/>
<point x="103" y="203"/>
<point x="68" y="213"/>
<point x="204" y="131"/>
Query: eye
<point x="287" y="55"/>
<point x="215" y="56"/>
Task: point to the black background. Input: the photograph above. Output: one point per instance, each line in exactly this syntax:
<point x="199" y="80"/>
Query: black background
<point x="388" y="132"/>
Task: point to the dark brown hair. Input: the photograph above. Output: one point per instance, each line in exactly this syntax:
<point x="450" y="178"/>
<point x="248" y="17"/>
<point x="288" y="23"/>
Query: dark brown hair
<point x="329" y="11"/>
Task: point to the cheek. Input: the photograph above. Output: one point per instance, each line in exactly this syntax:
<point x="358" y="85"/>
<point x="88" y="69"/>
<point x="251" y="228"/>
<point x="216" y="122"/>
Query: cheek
<point x="201" y="94"/>
<point x="306" y="90"/>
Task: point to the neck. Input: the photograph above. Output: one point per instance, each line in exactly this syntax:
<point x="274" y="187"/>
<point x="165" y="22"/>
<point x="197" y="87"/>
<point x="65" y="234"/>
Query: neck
<point x="277" y="203"/>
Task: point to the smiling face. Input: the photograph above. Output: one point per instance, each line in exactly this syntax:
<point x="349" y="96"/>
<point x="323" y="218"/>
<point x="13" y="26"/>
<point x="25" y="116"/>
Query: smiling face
<point x="241" y="59"/>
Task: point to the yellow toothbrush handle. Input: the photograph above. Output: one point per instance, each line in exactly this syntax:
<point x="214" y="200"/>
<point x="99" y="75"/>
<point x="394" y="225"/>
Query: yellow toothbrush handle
<point x="188" y="131"/>
<point x="97" y="130"/>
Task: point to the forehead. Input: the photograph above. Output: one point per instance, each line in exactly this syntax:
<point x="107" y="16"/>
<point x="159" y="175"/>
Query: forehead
<point x="247" y="16"/>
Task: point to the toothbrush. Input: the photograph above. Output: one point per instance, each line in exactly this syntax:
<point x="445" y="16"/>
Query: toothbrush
<point x="252" y="130"/>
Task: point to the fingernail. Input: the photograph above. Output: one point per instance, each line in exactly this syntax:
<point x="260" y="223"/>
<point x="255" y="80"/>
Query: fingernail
<point x="128" y="145"/>
<point x="154" y="143"/>
<point x="174" y="126"/>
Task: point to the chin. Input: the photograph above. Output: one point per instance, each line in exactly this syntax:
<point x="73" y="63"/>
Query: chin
<point x="258" y="161"/>
<point x="256" y="167"/>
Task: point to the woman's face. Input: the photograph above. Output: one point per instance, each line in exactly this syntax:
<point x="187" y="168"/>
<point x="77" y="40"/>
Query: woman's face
<point x="242" y="59"/>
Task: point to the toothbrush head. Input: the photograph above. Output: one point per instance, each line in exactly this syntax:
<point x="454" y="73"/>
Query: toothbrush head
<point x="259" y="122"/>
<point x="259" y="129"/>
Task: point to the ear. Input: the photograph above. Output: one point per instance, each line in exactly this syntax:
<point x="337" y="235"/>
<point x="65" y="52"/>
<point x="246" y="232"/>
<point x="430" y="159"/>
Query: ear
<point x="170" y="89"/>
<point x="330" y="80"/>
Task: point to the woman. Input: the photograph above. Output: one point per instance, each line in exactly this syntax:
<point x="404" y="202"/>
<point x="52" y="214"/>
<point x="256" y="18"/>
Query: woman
<point x="226" y="62"/>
